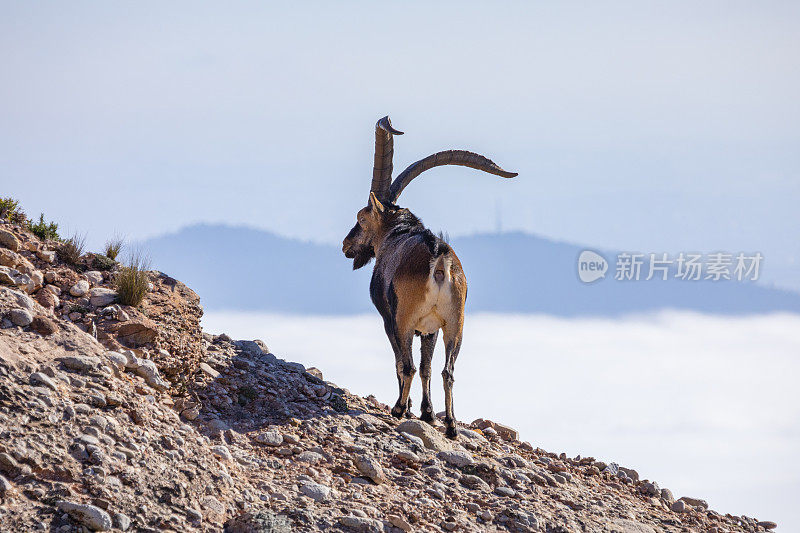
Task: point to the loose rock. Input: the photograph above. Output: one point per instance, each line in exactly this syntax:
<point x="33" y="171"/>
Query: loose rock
<point x="430" y="437"/>
<point x="315" y="491"/>
<point x="369" y="467"/>
<point x="9" y="240"/>
<point x="270" y="438"/>
<point x="43" y="325"/>
<point x="81" y="363"/>
<point x="455" y="458"/>
<point x="149" y="371"/>
<point x="38" y="378"/>
<point x="694" y="502"/>
<point x="90" y="516"/>
<point x="95" y="277"/>
<point x="100" y="297"/>
<point x="81" y="288"/>
<point x="21" y="317"/>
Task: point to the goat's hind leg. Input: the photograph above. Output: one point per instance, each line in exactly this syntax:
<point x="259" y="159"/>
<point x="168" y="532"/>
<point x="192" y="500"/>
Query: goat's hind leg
<point x="452" y="346"/>
<point x="428" y="344"/>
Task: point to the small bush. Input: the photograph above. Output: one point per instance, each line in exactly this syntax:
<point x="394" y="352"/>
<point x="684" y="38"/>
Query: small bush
<point x="71" y="250"/>
<point x="113" y="247"/>
<point x="44" y="230"/>
<point x="8" y="204"/>
<point x="102" y="262"/>
<point x="12" y="212"/>
<point x="131" y="281"/>
<point x="19" y="217"/>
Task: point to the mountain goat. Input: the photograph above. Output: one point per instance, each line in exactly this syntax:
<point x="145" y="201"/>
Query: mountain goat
<point x="417" y="284"/>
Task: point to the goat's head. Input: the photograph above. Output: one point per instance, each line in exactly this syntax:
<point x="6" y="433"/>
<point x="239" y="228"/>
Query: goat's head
<point x="359" y="245"/>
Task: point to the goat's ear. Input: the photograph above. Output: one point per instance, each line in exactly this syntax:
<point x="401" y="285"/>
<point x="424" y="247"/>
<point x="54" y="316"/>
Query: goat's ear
<point x="375" y="204"/>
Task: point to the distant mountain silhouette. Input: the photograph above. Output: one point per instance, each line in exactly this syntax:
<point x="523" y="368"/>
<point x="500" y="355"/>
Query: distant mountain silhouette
<point x="249" y="269"/>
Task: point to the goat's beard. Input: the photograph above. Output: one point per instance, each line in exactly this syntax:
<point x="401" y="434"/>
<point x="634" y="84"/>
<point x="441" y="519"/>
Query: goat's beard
<point x="363" y="255"/>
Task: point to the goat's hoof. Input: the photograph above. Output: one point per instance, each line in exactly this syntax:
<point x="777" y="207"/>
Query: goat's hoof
<point x="398" y="412"/>
<point x="427" y="416"/>
<point x="451" y="432"/>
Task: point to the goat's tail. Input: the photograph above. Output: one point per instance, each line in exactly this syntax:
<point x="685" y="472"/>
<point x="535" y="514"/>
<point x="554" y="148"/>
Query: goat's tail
<point x="440" y="269"/>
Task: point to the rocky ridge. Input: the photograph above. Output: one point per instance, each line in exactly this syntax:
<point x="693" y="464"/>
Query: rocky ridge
<point x="133" y="419"/>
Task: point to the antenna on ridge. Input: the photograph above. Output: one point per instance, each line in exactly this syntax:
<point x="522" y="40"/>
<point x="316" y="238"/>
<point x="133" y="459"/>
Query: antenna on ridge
<point x="498" y="216"/>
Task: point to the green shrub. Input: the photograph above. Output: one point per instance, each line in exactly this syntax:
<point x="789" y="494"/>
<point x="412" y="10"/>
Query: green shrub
<point x="131" y="281"/>
<point x="102" y="262"/>
<point x="71" y="250"/>
<point x="19" y="217"/>
<point x="113" y="247"/>
<point x="11" y="211"/>
<point x="8" y="204"/>
<point x="44" y="230"/>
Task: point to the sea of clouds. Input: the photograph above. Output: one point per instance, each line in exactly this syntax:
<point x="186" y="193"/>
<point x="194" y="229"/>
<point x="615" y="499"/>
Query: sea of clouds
<point x="707" y="406"/>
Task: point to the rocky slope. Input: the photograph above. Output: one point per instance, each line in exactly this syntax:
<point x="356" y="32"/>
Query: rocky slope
<point x="120" y="418"/>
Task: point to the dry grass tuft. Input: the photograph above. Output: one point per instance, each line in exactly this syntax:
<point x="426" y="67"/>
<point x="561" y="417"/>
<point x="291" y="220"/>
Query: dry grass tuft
<point x="71" y="250"/>
<point x="131" y="281"/>
<point x="113" y="247"/>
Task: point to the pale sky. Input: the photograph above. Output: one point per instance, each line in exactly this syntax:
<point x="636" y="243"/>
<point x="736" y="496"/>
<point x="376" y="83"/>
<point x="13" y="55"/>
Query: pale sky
<point x="657" y="128"/>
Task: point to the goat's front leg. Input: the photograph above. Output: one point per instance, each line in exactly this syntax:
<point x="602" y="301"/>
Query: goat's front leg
<point x="391" y="333"/>
<point x="428" y="344"/>
<point x="405" y="374"/>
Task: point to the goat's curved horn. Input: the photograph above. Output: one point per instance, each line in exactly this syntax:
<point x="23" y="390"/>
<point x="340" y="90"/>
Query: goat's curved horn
<point x="384" y="150"/>
<point x="448" y="157"/>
